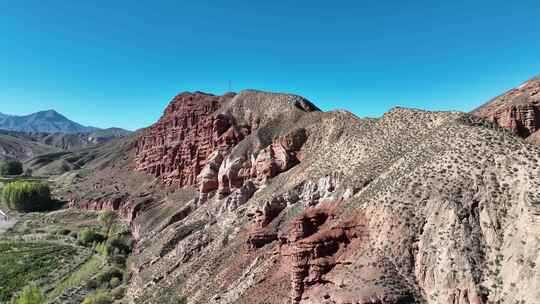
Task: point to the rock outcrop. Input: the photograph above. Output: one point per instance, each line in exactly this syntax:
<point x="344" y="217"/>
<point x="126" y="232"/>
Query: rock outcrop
<point x="192" y="141"/>
<point x="178" y="146"/>
<point x="126" y="208"/>
<point x="229" y="174"/>
<point x="313" y="245"/>
<point x="518" y="110"/>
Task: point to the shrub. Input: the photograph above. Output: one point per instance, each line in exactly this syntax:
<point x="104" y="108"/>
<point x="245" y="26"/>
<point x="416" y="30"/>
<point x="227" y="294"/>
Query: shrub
<point x="27" y="196"/>
<point x="107" y="218"/>
<point x="102" y="249"/>
<point x="106" y="276"/>
<point x="88" y="236"/>
<point x="10" y="167"/>
<point x="115" y="282"/>
<point x="119" y="260"/>
<point x="119" y="245"/>
<point x="92" y="284"/>
<point x="99" y="297"/>
<point x="63" y="231"/>
<point x="118" y="293"/>
<point x="30" y="295"/>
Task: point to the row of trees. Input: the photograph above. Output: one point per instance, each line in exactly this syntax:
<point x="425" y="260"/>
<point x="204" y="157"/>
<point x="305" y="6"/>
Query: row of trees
<point x="27" y="196"/>
<point x="10" y="167"/>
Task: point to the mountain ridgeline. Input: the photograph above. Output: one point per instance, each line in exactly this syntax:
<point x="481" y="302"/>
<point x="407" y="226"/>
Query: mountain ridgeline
<point x="23" y="137"/>
<point x="48" y="121"/>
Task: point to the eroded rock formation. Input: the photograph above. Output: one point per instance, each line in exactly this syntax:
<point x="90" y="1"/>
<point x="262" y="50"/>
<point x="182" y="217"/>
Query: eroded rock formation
<point x="239" y="175"/>
<point x="313" y="245"/>
<point x="178" y="146"/>
<point x="517" y="110"/>
<point x="192" y="142"/>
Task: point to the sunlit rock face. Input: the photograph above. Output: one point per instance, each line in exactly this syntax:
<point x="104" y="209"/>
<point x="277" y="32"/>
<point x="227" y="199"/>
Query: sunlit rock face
<point x="178" y="146"/>
<point x="518" y="110"/>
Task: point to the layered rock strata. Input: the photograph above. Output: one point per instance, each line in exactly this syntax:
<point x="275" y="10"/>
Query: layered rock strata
<point x="178" y="146"/>
<point x="517" y="110"/>
<point x="313" y="245"/>
<point x="241" y="175"/>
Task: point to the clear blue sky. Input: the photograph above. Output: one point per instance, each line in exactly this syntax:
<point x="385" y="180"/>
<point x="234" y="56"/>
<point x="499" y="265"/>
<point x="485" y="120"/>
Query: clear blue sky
<point x="118" y="63"/>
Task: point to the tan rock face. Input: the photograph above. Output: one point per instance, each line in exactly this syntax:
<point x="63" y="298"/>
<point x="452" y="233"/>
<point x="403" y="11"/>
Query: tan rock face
<point x="534" y="138"/>
<point x="229" y="174"/>
<point x="178" y="146"/>
<point x="518" y="110"/>
<point x="282" y="155"/>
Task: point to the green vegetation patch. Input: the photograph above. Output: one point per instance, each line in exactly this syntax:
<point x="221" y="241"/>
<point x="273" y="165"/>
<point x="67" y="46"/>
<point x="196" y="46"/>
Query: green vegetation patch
<point x="10" y="167"/>
<point x="27" y="196"/>
<point x="25" y="262"/>
<point x="79" y="277"/>
<point x="30" y="295"/>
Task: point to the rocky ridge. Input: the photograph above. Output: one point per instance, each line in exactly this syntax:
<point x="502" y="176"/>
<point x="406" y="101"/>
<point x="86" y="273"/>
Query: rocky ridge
<point x="517" y="110"/>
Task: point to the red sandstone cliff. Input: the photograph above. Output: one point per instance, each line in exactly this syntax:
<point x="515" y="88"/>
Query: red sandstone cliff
<point x="191" y="144"/>
<point x="517" y="110"/>
<point x="176" y="148"/>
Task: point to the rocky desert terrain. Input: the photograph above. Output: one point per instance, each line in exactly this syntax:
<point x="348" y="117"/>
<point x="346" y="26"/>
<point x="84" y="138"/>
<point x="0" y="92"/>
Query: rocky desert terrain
<point x="260" y="197"/>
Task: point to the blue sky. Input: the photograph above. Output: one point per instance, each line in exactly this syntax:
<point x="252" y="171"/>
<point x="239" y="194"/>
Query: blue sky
<point x="118" y="63"/>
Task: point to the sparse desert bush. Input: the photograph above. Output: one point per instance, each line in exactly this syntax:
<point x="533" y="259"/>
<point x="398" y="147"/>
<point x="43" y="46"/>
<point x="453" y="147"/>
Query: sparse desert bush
<point x="10" y="167"/>
<point x="106" y="276"/>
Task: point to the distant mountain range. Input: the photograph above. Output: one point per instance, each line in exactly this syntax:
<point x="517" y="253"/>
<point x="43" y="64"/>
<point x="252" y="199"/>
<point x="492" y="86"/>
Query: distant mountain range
<point x="23" y="137"/>
<point x="48" y="121"/>
<point x="24" y="145"/>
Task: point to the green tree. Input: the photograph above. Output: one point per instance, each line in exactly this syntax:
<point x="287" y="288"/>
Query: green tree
<point x="89" y="236"/>
<point x="107" y="219"/>
<point x="30" y="295"/>
<point x="102" y="249"/>
<point x="11" y="167"/>
<point x="27" y="196"/>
